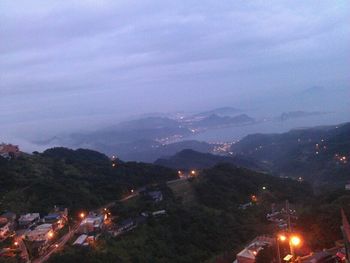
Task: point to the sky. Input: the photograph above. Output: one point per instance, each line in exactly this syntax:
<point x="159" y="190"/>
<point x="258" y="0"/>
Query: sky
<point x="76" y="64"/>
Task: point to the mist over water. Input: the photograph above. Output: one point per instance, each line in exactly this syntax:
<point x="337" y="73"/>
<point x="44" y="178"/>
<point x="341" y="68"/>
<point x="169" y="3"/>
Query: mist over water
<point x="236" y="133"/>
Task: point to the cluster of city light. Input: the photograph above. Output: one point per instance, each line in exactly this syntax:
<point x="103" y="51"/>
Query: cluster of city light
<point x="293" y="240"/>
<point x="341" y="158"/>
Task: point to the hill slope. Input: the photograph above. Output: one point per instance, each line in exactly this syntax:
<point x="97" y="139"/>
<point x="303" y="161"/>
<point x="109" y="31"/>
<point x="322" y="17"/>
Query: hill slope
<point x="75" y="179"/>
<point x="312" y="153"/>
<point x="189" y="159"/>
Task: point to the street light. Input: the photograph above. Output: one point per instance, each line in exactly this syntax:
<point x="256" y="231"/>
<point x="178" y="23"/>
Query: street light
<point x="295" y="241"/>
<point x="282" y="237"/>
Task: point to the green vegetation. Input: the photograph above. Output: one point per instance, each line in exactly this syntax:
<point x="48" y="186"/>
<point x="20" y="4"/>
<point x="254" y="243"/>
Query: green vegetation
<point x="309" y="153"/>
<point x="200" y="230"/>
<point x="203" y="223"/>
<point x="184" y="191"/>
<point x="74" y="179"/>
<point x="320" y="219"/>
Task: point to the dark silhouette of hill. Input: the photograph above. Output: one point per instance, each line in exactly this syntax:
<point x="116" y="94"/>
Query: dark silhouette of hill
<point x="310" y="153"/>
<point x="190" y="159"/>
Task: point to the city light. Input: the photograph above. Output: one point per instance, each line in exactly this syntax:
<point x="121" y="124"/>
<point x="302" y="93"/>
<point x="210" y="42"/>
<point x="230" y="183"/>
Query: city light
<point x="16" y="243"/>
<point x="264" y="188"/>
<point x="254" y="198"/>
<point x="50" y="234"/>
<point x="193" y="172"/>
<point x="282" y="237"/>
<point x="295" y="241"/>
<point x="82" y="215"/>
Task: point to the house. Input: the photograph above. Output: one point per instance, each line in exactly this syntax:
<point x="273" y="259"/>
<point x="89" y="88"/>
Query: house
<point x="4" y="230"/>
<point x="126" y="225"/>
<point x="159" y="213"/>
<point x="80" y="240"/>
<point x="245" y="206"/>
<point x="28" y="219"/>
<point x="61" y="211"/>
<point x="57" y="220"/>
<point x="248" y="254"/>
<point x="92" y="223"/>
<point x="42" y="233"/>
<point x="156" y="196"/>
<point x="7" y="224"/>
<point x="9" y="150"/>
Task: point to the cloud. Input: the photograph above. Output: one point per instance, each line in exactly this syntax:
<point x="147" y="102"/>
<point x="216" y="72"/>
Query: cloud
<point x="124" y="57"/>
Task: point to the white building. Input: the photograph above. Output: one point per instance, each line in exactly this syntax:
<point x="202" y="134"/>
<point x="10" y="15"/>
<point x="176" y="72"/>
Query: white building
<point x="28" y="219"/>
<point x="41" y="233"/>
<point x="248" y="254"/>
<point x="91" y="223"/>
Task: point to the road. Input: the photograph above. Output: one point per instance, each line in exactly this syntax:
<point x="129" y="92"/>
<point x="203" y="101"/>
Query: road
<point x="24" y="252"/>
<point x="58" y="246"/>
<point x="61" y="243"/>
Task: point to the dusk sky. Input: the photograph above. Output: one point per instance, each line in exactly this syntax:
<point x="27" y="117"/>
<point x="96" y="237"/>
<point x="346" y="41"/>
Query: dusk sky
<point x="78" y="62"/>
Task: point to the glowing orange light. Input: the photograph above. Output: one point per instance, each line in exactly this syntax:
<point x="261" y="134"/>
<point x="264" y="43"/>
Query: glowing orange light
<point x="282" y="237"/>
<point x="50" y="234"/>
<point x="254" y="198"/>
<point x="16" y="243"/>
<point x="82" y="215"/>
<point x="295" y="241"/>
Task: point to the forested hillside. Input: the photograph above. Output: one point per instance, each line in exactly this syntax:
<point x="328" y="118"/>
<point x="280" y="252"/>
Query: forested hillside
<point x="318" y="154"/>
<point x="73" y="179"/>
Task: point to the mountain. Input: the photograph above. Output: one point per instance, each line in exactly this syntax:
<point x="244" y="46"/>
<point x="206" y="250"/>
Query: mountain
<point x="216" y="121"/>
<point x="70" y="178"/>
<point x="153" y="128"/>
<point x="312" y="153"/>
<point x="149" y="151"/>
<point x="190" y="159"/>
<point x="223" y="111"/>
<point x="298" y="114"/>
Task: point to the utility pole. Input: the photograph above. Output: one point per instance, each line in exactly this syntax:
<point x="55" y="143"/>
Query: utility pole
<point x="288" y="217"/>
